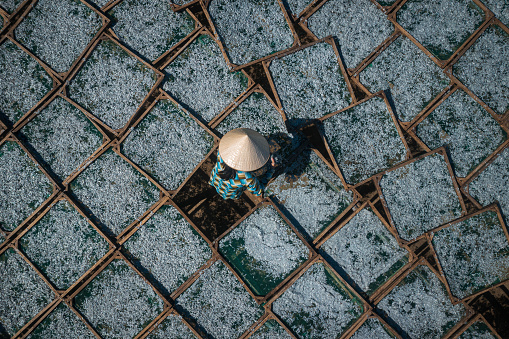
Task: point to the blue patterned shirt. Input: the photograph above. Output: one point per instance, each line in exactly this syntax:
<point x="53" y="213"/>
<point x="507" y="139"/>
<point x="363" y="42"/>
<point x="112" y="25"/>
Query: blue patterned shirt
<point x="233" y="188"/>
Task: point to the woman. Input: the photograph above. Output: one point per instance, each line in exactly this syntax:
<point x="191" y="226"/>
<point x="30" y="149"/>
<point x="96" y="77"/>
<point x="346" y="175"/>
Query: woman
<point x="242" y="163"/>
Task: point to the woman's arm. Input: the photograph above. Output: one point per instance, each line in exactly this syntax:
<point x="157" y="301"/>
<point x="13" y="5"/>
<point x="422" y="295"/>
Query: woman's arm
<point x="255" y="186"/>
<point x="264" y="179"/>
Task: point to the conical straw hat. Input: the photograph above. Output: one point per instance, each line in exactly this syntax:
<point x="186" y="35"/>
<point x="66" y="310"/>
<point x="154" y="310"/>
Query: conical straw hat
<point x="244" y="149"/>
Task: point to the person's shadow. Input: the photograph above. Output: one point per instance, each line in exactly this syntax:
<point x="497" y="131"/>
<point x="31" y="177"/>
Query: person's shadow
<point x="294" y="148"/>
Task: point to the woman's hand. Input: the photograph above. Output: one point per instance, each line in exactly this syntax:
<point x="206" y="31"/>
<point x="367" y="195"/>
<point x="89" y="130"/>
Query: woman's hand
<point x="272" y="161"/>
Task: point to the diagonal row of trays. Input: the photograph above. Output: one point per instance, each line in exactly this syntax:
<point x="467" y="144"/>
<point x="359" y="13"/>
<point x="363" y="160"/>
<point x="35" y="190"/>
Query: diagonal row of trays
<point x="102" y="138"/>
